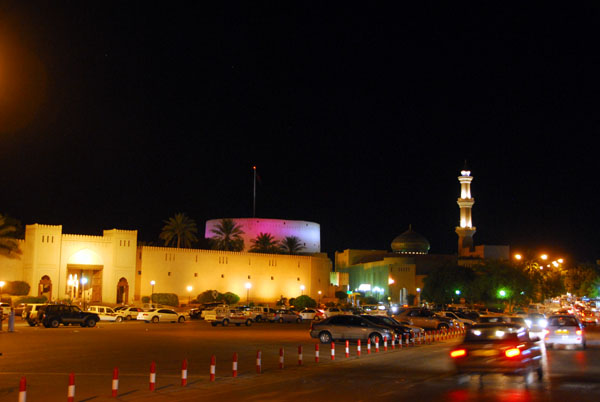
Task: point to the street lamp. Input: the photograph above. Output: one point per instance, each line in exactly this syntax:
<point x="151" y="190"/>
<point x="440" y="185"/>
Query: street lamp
<point x="248" y="286"/>
<point x="2" y="283"/>
<point x="319" y="292"/>
<point x="302" y="289"/>
<point x="189" y="289"/>
<point x="152" y="283"/>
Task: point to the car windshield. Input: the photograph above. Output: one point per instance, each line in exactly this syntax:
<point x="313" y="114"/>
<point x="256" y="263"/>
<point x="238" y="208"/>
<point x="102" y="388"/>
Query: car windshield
<point x="562" y="322"/>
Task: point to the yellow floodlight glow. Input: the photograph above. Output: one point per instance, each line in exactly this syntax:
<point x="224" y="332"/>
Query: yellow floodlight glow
<point x="518" y="257"/>
<point x="544" y="256"/>
<point x="560" y="260"/>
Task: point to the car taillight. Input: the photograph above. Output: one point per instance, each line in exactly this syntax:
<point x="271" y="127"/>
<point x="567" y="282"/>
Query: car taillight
<point x="458" y="353"/>
<point x="512" y="352"/>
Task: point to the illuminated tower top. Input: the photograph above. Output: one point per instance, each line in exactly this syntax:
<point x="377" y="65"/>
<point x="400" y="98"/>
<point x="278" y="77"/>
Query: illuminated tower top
<point x="465" y="230"/>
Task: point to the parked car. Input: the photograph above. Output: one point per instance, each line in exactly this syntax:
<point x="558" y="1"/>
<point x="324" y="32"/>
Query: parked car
<point x="498" y="347"/>
<point x="331" y="311"/>
<point x="160" y="314"/>
<point x="105" y="313"/>
<point x="52" y="315"/>
<point x="349" y="327"/>
<point x="226" y="316"/>
<point x="564" y="330"/>
<point x="31" y="313"/>
<point x="451" y="314"/>
<point x="196" y="312"/>
<point x="311" y="314"/>
<point x="399" y="328"/>
<point x="282" y="316"/>
<point x="425" y="318"/>
<point x="374" y="309"/>
<point x="260" y="313"/>
<point x="129" y="313"/>
<point x="5" y="310"/>
<point x="19" y="309"/>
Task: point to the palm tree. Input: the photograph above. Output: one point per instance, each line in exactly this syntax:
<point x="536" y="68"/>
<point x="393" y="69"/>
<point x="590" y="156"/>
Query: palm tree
<point x="265" y="243"/>
<point x="179" y="229"/>
<point x="8" y="245"/>
<point x="291" y="245"/>
<point x="228" y="236"/>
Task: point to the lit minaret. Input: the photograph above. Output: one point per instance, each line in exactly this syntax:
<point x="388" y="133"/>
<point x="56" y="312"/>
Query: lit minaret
<point x="466" y="230"/>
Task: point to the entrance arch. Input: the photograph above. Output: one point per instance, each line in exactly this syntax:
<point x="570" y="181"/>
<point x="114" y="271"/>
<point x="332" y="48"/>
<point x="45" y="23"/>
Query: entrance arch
<point x="122" y="291"/>
<point x="45" y="287"/>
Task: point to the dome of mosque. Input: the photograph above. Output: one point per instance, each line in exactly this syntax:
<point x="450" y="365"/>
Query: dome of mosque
<point x="410" y="242"/>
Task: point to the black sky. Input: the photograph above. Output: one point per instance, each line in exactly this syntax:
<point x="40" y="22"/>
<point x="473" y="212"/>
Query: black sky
<point x="358" y="117"/>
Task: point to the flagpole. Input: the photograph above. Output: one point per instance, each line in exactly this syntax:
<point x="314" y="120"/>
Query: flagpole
<point x="254" y="195"/>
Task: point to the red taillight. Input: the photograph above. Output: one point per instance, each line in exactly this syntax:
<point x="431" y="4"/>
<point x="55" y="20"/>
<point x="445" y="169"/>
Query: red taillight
<point x="458" y="353"/>
<point x="512" y="352"/>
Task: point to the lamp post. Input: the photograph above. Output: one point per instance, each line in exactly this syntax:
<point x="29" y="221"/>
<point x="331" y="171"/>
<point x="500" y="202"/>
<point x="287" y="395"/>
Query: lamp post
<point x="319" y="292"/>
<point x="248" y="286"/>
<point x="152" y="283"/>
<point x="302" y="287"/>
<point x="2" y="283"/>
<point x="189" y="289"/>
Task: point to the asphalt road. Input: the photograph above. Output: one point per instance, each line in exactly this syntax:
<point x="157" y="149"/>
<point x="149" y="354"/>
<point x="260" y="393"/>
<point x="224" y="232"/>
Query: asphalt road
<point x="47" y="356"/>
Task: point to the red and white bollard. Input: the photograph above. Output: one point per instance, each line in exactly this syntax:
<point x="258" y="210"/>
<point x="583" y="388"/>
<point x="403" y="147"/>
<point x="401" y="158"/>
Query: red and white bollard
<point x="258" y="362"/>
<point x="213" y="368"/>
<point x="394" y="342"/>
<point x="299" y="355"/>
<point x="152" y="376"/>
<point x="316" y="352"/>
<point x="407" y="338"/>
<point x="184" y="373"/>
<point x="385" y="343"/>
<point x="71" y="388"/>
<point x="358" y="348"/>
<point x="115" y="382"/>
<point x="23" y="390"/>
<point x="347" y="349"/>
<point x="376" y="344"/>
<point x="368" y="346"/>
<point x="234" y="368"/>
<point x="280" y="358"/>
<point x="332" y="350"/>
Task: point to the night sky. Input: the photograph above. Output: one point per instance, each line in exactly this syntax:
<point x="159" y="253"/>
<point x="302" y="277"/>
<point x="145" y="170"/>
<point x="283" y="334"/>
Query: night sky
<point x="357" y="116"/>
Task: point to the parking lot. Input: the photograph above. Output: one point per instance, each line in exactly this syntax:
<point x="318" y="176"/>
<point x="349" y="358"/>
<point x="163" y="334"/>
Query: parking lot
<point x="46" y="356"/>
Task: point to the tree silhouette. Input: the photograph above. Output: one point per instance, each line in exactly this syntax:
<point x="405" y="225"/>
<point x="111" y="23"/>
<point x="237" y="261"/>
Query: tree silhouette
<point x="265" y="243"/>
<point x="228" y="236"/>
<point x="291" y="245"/>
<point x="8" y="245"/>
<point x="179" y="229"/>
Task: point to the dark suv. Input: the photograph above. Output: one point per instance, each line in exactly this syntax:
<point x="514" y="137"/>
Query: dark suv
<point x="53" y="315"/>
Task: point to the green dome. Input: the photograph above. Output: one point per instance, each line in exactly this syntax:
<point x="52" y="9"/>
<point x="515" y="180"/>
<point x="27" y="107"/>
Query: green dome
<point x="410" y="242"/>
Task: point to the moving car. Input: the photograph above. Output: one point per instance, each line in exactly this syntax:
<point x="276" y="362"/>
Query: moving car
<point x="498" y="348"/>
<point x="282" y="316"/>
<point x="105" y="313"/>
<point x="564" y="330"/>
<point x="52" y="315"/>
<point x="536" y="322"/>
<point x="450" y="314"/>
<point x="30" y="314"/>
<point x="160" y="314"/>
<point x="349" y="327"/>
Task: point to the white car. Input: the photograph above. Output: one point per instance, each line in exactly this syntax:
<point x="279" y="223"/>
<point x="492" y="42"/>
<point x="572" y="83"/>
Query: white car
<point x="160" y="314"/>
<point x="129" y="313"/>
<point x="331" y="311"/>
<point x="311" y="314"/>
<point x="105" y="313"/>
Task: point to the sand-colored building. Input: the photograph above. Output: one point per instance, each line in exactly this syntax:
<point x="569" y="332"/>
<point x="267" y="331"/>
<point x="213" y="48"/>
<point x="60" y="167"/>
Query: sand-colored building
<point x="113" y="269"/>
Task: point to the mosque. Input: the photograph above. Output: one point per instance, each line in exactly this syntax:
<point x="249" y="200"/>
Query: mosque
<point x="400" y="273"/>
<point x="114" y="269"/>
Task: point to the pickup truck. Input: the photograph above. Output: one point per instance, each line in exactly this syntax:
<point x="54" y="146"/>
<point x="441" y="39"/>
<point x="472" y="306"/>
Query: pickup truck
<point x="226" y="316"/>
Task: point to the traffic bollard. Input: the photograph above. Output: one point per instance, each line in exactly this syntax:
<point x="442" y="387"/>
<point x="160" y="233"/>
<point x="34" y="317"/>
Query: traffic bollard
<point x="316" y="352"/>
<point x="115" y="382"/>
<point x="299" y="355"/>
<point x="71" y="388"/>
<point x="234" y="365"/>
<point x="213" y="368"/>
<point x="280" y="358"/>
<point x="152" y="376"/>
<point x="184" y="366"/>
<point x="358" y="348"/>
<point x="23" y="390"/>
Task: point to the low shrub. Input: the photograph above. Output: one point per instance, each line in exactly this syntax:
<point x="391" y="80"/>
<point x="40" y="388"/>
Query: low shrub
<point x="32" y="299"/>
<point x="167" y="299"/>
<point x="16" y="288"/>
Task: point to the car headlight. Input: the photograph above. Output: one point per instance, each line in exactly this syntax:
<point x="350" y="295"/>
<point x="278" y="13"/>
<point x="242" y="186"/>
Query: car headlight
<point x="528" y="322"/>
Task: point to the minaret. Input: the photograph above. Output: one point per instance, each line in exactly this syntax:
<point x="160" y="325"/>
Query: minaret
<point x="466" y="230"/>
